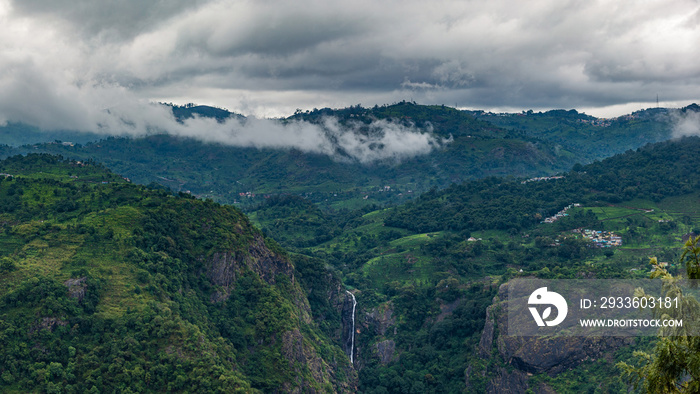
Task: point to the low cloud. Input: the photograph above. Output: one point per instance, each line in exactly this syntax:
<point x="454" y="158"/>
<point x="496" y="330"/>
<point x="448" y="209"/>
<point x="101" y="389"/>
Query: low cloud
<point x="686" y="123"/>
<point x="377" y="141"/>
<point x="87" y="109"/>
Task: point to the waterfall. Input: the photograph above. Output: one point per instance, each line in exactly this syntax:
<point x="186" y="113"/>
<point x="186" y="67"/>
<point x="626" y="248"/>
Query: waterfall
<point x="352" y="329"/>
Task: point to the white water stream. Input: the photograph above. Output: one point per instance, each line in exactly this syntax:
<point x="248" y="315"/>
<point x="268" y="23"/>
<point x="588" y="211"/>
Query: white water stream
<point x="352" y="331"/>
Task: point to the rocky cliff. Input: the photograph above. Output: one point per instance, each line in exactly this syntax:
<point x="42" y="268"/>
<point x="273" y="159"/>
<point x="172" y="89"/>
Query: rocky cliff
<point x="524" y="357"/>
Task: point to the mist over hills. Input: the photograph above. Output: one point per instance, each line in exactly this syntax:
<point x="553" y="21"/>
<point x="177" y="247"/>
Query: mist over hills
<point x="356" y="151"/>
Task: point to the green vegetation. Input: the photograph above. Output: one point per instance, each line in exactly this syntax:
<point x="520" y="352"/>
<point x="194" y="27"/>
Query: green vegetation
<point x="108" y="286"/>
<point x="432" y="265"/>
<point x="588" y="137"/>
<point x="653" y="172"/>
<point x="673" y="366"/>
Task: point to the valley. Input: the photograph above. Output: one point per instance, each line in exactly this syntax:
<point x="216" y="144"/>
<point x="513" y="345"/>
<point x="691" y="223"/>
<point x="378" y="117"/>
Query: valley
<point x="264" y="269"/>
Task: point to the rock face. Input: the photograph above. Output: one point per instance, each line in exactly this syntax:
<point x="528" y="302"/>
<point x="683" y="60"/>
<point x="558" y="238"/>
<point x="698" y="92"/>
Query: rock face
<point x="47" y="323"/>
<point x="266" y="263"/>
<point x="534" y="355"/>
<point x="505" y="382"/>
<point x="225" y="267"/>
<point x="76" y="287"/>
<point x="555" y="355"/>
<point x="301" y="356"/>
<point x="486" y="342"/>
<point x="385" y="350"/>
<point x="382" y="318"/>
<point x="313" y="372"/>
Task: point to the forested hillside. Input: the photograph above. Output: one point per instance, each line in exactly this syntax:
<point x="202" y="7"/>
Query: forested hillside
<point x="590" y="138"/>
<point x="106" y="286"/>
<point x="652" y="172"/>
<point x="382" y="197"/>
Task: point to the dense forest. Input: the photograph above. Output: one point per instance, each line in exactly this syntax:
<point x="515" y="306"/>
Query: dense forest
<point x="108" y="286"/>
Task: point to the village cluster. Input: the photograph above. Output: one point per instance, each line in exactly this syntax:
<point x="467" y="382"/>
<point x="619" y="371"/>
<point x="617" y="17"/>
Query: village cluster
<point x="597" y="122"/>
<point x="601" y="239"/>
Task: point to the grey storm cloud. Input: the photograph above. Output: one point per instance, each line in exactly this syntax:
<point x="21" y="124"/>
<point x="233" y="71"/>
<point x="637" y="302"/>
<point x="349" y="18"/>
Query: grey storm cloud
<point x="105" y="19"/>
<point x="269" y="57"/>
<point x="55" y="105"/>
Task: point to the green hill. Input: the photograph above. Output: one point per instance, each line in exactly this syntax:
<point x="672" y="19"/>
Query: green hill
<point x="188" y="111"/>
<point x="652" y="172"/>
<point x="17" y="134"/>
<point x="589" y="138"/>
<point x="106" y="286"/>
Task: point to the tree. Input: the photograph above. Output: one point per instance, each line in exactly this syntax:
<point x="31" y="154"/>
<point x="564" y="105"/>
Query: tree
<point x="675" y="365"/>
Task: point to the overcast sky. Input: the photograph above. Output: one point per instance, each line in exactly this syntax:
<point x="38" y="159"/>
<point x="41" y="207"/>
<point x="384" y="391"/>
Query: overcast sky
<point x="63" y="61"/>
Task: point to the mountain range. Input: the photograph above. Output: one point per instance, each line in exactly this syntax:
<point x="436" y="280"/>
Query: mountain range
<point x="474" y="145"/>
